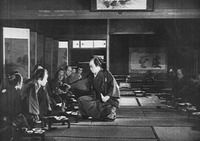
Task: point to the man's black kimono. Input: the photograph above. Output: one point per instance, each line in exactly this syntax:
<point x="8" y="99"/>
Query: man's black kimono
<point x="104" y="83"/>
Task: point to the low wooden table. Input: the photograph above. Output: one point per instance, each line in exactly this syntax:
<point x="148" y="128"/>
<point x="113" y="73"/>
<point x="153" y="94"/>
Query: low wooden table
<point x="35" y="132"/>
<point x="71" y="114"/>
<point x="49" y="120"/>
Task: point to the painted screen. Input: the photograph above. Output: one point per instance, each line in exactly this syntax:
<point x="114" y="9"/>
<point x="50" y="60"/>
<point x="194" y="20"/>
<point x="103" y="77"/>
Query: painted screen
<point x="16" y="56"/>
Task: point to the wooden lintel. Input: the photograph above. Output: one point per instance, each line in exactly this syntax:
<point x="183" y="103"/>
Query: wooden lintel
<point x="132" y="33"/>
<point x="86" y="14"/>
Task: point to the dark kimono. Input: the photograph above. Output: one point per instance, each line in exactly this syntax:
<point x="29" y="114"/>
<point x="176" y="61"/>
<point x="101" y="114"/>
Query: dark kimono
<point x="180" y="89"/>
<point x="10" y="103"/>
<point x="10" y="108"/>
<point x="194" y="89"/>
<point x="93" y="105"/>
<point x="83" y="86"/>
<point x="35" y="101"/>
<point x="72" y="78"/>
<point x="55" y="85"/>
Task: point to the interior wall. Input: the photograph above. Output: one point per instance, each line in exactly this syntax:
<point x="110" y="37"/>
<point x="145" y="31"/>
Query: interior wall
<point x="119" y="48"/>
<point x="182" y="37"/>
<point x="119" y="54"/>
<point x="125" y="34"/>
<point x="179" y="37"/>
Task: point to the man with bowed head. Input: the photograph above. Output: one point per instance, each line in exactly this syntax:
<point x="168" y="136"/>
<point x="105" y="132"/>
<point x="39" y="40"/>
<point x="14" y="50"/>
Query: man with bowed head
<point x="31" y="94"/>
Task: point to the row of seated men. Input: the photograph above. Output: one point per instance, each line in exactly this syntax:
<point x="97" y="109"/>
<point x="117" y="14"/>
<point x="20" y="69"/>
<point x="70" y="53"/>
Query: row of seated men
<point x="97" y="96"/>
<point x="185" y="89"/>
<point x="24" y="104"/>
<point x="37" y="96"/>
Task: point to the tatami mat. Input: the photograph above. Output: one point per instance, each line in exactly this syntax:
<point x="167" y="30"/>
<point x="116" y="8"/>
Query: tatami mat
<point x="97" y="139"/>
<point x="177" y="134"/>
<point x="133" y="112"/>
<point x="120" y="132"/>
<point x="150" y="101"/>
<point x="145" y="122"/>
<point x="164" y="115"/>
<point x="138" y="119"/>
<point x="128" y="101"/>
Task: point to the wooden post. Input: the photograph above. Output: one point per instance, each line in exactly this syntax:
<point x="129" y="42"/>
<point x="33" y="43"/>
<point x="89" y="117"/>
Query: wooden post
<point x="108" y="46"/>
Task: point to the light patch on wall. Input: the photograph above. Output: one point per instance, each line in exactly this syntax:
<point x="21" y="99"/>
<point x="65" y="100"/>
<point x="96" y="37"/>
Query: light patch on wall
<point x="99" y="43"/>
<point x="76" y="44"/>
<point x="63" y="44"/>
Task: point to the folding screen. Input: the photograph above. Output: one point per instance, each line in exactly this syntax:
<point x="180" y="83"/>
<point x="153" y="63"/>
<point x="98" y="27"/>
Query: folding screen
<point x="16" y="51"/>
<point x="33" y="50"/>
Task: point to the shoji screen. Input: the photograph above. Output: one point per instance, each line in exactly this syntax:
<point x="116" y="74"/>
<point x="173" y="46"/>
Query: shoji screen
<point x="62" y="54"/>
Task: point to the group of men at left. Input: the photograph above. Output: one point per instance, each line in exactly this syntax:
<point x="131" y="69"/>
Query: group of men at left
<point x="23" y="104"/>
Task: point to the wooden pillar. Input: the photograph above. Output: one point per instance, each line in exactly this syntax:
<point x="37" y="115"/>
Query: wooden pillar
<point x="48" y="52"/>
<point x="33" y="50"/>
<point x="1" y="58"/>
<point x="40" y="49"/>
<point x="197" y="61"/>
<point x="55" y="57"/>
<point x="108" y="46"/>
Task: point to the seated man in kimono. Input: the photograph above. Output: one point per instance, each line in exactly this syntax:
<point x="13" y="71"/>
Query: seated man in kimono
<point x="71" y="76"/>
<point x="10" y="107"/>
<point x="58" y="86"/>
<point x="34" y="100"/>
<point x="103" y="101"/>
<point x="180" y="88"/>
<point x="10" y="98"/>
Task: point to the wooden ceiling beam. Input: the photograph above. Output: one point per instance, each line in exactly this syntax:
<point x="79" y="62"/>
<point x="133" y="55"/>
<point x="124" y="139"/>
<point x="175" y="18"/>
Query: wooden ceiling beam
<point x="86" y="14"/>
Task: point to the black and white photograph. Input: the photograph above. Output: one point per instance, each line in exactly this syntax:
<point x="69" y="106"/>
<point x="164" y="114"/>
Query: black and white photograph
<point x="99" y="70"/>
